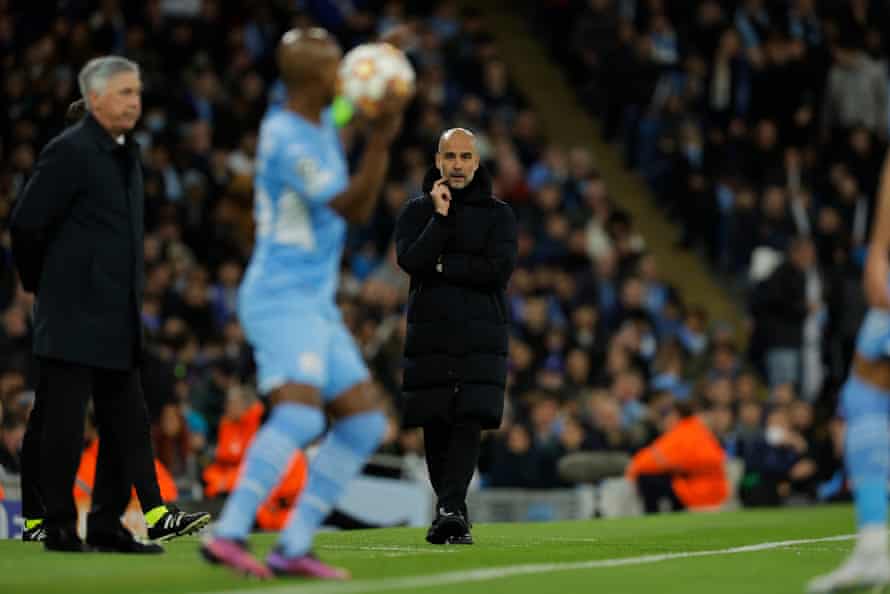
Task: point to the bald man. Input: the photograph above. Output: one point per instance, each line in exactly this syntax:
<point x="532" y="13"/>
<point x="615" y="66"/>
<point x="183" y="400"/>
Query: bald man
<point x="307" y="361"/>
<point x="458" y="243"/>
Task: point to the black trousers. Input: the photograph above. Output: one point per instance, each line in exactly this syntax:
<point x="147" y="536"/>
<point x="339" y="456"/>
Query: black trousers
<point x="655" y="488"/>
<point x="54" y="442"/>
<point x="33" y="508"/>
<point x="452" y="453"/>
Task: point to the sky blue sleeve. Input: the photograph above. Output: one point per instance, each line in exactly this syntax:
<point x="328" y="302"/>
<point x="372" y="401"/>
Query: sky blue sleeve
<point x="307" y="173"/>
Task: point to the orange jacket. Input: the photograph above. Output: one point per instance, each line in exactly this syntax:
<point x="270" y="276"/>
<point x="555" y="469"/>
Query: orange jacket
<point x="2" y="494"/>
<point x="86" y="476"/>
<point x="691" y="453"/>
<point x="275" y="510"/>
<point x="233" y="438"/>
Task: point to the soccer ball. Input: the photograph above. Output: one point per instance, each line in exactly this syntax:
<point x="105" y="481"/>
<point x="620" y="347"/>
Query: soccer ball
<point x="369" y="70"/>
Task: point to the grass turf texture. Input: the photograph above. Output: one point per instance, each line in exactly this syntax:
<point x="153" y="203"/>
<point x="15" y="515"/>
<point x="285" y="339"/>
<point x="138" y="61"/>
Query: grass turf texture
<point x="387" y="554"/>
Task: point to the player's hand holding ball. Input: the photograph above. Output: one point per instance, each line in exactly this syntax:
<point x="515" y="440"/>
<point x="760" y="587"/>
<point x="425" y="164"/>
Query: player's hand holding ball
<point x="388" y="121"/>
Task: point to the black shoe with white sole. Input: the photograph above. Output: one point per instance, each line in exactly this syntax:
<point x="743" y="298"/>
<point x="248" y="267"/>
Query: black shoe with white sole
<point x="464" y="539"/>
<point x="448" y="526"/>
<point x="35" y="534"/>
<point x="176" y="523"/>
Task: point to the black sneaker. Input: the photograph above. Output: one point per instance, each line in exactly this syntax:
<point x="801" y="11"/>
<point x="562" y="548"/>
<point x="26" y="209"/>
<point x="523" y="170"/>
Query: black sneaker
<point x="120" y="540"/>
<point x="431" y="532"/>
<point x="64" y="540"/>
<point x="464" y="539"/>
<point x="446" y="526"/>
<point x="35" y="534"/>
<point x="176" y="523"/>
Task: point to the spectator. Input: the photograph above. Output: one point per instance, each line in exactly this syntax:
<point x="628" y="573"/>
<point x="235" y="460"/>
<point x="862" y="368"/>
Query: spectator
<point x="608" y="433"/>
<point x="774" y="462"/>
<point x="856" y="91"/>
<point x="782" y="307"/>
<point x="224" y="294"/>
<point x="173" y="443"/>
<point x="515" y="462"/>
<point x="12" y="431"/>
<point x="685" y="465"/>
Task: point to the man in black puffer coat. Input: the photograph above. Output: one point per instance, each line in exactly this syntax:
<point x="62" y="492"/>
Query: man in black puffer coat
<point x="458" y="243"/>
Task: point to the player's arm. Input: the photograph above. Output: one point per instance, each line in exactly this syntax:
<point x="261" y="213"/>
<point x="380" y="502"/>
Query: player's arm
<point x="877" y="264"/>
<point x="356" y="203"/>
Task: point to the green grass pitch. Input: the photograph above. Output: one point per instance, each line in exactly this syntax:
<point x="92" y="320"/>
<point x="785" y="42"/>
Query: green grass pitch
<point x="557" y="558"/>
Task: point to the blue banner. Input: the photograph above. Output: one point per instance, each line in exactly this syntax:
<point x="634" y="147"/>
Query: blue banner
<point x="11" y="521"/>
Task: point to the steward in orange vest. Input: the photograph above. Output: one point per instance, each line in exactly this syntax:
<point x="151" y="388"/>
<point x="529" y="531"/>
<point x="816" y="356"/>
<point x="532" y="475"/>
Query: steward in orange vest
<point x="686" y="464"/>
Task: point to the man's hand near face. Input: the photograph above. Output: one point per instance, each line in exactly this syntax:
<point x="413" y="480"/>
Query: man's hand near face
<point x="441" y="195"/>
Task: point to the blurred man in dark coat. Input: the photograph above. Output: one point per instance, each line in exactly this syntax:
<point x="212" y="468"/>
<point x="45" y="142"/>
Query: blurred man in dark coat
<point x="458" y="243"/>
<point x="163" y="522"/>
<point x="77" y="241"/>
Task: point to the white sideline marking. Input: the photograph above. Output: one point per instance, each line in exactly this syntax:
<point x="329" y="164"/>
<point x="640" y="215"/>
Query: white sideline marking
<point x="420" y="550"/>
<point x="495" y="573"/>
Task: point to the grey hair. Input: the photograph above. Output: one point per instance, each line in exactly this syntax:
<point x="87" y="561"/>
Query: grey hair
<point x="94" y="76"/>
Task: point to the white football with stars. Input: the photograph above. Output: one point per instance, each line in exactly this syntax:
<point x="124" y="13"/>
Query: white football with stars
<point x="369" y="70"/>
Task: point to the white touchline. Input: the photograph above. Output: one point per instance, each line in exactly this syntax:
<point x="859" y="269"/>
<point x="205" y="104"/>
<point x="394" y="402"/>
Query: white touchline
<point x="420" y="550"/>
<point x="495" y="573"/>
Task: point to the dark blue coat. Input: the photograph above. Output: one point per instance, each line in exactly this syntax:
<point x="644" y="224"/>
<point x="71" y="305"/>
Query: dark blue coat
<point x="77" y="241"/>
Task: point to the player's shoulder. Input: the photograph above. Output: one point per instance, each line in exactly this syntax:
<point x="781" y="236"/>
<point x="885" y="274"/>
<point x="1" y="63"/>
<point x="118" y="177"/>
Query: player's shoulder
<point x="276" y="123"/>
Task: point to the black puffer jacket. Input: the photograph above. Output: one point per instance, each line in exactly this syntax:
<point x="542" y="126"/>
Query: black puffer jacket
<point x="456" y="349"/>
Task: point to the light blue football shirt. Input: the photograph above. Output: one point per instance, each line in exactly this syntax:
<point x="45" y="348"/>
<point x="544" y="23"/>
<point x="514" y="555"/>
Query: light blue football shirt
<point x="300" y="168"/>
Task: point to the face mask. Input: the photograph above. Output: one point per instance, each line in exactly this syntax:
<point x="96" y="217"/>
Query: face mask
<point x="775" y="435"/>
<point x="156" y="122"/>
<point x="648" y="346"/>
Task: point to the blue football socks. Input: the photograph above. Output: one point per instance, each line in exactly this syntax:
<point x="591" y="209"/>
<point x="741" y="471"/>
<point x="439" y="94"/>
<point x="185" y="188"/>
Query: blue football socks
<point x="867" y="451"/>
<point x="290" y="426"/>
<point x="341" y="456"/>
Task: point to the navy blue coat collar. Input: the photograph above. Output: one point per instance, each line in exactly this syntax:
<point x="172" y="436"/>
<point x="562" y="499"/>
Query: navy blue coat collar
<point x="102" y="137"/>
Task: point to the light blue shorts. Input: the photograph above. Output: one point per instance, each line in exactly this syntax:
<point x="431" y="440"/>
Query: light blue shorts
<point x="304" y="347"/>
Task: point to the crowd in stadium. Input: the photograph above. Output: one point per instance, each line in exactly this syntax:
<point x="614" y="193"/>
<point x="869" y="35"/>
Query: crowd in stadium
<point x="753" y="127"/>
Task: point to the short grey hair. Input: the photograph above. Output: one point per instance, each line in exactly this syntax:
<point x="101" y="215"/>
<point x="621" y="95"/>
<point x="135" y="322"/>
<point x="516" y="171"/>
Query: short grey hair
<point x="94" y="76"/>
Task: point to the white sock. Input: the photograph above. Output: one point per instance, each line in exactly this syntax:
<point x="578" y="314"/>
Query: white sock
<point x="872" y="540"/>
